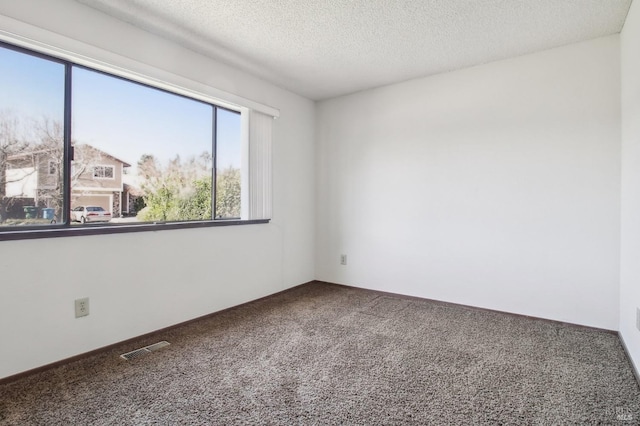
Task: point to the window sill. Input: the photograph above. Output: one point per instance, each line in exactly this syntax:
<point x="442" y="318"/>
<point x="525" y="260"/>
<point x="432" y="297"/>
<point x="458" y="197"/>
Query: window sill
<point x="99" y="229"/>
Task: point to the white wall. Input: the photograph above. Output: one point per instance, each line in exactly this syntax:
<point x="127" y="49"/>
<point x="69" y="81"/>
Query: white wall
<point x="630" y="253"/>
<point x="496" y="186"/>
<point x="145" y="281"/>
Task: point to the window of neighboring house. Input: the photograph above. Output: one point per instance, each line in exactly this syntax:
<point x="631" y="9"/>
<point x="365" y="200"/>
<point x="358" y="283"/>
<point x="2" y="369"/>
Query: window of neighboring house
<point x="103" y="172"/>
<point x="181" y="159"/>
<point x="53" y="167"/>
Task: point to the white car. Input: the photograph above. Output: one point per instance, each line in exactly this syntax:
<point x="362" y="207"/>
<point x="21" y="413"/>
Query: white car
<point x="89" y="214"/>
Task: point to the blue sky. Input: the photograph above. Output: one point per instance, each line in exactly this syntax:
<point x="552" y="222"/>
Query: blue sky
<point x="122" y="118"/>
<point x="31" y="87"/>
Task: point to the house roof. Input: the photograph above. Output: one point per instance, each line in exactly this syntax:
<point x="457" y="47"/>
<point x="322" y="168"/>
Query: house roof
<point x="101" y="152"/>
<point x="326" y="48"/>
<point x="40" y="149"/>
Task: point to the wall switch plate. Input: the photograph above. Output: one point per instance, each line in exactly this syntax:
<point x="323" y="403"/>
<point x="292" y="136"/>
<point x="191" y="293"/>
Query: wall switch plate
<point x="343" y="259"/>
<point x="82" y="307"/>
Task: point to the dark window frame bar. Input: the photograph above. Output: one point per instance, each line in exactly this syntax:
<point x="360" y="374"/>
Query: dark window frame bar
<point x="97" y="229"/>
<point x="68" y="148"/>
<point x="64" y="228"/>
<point x="214" y="168"/>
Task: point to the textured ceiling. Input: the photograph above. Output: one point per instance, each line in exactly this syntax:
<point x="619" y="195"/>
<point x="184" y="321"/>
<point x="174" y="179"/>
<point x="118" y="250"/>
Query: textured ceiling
<point x="326" y="48"/>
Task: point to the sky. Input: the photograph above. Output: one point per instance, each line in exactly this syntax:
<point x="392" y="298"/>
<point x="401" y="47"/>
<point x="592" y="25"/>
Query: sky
<point x="30" y="87"/>
<point x="122" y="118"/>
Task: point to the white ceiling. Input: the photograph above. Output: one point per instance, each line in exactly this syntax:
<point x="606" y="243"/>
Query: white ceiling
<point x="326" y="48"/>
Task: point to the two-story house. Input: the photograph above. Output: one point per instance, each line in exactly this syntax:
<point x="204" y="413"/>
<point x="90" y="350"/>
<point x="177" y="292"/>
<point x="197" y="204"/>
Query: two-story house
<point x="33" y="176"/>
<point x="97" y="180"/>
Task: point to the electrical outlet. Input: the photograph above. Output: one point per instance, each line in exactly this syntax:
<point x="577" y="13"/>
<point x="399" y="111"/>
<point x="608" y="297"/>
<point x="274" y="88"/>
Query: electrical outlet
<point x="343" y="259"/>
<point x="82" y="307"/>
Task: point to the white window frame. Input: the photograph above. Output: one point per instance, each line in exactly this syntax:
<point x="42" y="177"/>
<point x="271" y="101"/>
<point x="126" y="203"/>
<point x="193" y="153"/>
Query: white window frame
<point x="104" y="168"/>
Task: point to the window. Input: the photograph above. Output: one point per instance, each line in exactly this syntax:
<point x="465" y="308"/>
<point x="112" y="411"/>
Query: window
<point x="53" y="167"/>
<point x="103" y="172"/>
<point x="171" y="147"/>
<point x="74" y="139"/>
<point x="32" y="109"/>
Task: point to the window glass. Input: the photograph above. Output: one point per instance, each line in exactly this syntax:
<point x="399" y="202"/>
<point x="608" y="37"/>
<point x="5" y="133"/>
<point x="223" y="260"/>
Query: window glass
<point x="103" y="172"/>
<point x="132" y="154"/>
<point x="31" y="139"/>
<point x="151" y="151"/>
<point x="228" y="148"/>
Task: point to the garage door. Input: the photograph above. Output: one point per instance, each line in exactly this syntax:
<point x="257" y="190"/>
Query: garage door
<point x="103" y="201"/>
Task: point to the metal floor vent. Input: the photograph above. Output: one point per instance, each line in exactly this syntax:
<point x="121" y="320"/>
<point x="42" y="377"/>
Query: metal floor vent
<point x="143" y="351"/>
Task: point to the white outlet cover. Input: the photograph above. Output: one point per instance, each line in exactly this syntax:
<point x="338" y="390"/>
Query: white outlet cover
<point x="82" y="307"/>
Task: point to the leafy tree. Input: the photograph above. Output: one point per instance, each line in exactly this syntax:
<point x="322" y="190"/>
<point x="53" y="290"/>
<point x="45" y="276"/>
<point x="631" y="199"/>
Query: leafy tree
<point x="228" y="193"/>
<point x="182" y="190"/>
<point x="197" y="205"/>
<point x="179" y="191"/>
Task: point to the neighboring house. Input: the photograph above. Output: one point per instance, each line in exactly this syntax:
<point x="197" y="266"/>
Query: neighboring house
<point x="30" y="178"/>
<point x="97" y="180"/>
<point x="131" y="194"/>
<point x="31" y="174"/>
<point x="96" y="176"/>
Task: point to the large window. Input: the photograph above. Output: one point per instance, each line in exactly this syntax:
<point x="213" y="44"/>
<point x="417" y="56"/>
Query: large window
<point x="73" y="139"/>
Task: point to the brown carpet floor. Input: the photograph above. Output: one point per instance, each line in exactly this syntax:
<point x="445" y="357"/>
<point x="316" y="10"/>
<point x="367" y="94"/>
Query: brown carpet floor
<point x="326" y="354"/>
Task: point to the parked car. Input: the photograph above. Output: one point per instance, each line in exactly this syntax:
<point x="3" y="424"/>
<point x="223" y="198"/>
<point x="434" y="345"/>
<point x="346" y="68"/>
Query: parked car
<point x="88" y="214"/>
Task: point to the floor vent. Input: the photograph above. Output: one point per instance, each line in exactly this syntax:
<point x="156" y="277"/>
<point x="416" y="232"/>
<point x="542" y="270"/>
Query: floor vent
<point x="143" y="351"/>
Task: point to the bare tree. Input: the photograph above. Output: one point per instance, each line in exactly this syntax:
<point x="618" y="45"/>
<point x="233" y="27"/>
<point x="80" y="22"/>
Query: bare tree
<point x="32" y="156"/>
<point x="49" y="135"/>
<point x="11" y="143"/>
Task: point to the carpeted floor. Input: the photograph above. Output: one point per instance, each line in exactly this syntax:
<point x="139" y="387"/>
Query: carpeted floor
<point x="326" y="354"/>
